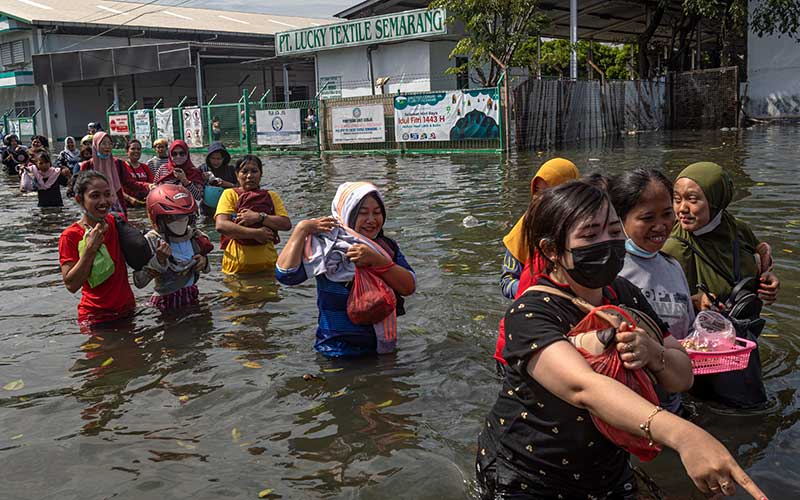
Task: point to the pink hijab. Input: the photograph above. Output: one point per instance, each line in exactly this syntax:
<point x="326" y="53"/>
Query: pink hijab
<point x="106" y="166"/>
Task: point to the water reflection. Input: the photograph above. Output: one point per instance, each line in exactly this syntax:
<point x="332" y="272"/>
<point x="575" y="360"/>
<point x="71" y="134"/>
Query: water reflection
<point x="213" y="402"/>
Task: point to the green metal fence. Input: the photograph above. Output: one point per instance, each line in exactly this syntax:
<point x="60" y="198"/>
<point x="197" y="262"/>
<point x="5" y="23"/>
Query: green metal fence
<point x="302" y="127"/>
<point x="23" y="126"/>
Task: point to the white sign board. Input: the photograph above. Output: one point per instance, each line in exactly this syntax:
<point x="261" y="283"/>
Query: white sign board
<point x="26" y="129"/>
<point x="330" y="87"/>
<point x="404" y="25"/>
<point x="118" y="125"/>
<point x="164" y="126"/>
<point x="447" y="116"/>
<point x="276" y="127"/>
<point x="192" y="127"/>
<point x="358" y="124"/>
<point x="141" y="124"/>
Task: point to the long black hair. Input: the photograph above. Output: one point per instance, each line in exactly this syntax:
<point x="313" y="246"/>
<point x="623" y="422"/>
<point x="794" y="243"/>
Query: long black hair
<point x="625" y="190"/>
<point x="552" y="214"/>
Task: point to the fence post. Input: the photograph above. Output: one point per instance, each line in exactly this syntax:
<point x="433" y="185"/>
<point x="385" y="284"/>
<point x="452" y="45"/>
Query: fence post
<point x="246" y="120"/>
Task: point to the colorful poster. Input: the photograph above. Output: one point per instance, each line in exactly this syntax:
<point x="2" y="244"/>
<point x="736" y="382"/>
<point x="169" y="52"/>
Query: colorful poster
<point x="141" y="124"/>
<point x="276" y="127"/>
<point x="118" y="125"/>
<point x="192" y="127"/>
<point x="358" y="124"/>
<point x="447" y="116"/>
<point x="164" y="127"/>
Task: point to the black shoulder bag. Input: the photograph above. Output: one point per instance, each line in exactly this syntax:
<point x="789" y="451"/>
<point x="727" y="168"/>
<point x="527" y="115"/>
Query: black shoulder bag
<point x="741" y="388"/>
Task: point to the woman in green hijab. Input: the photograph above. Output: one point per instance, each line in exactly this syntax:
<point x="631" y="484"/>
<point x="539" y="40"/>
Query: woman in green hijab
<point x="718" y="251"/>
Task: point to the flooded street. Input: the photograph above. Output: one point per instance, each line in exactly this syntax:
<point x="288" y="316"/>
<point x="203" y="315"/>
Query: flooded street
<point x="214" y="404"/>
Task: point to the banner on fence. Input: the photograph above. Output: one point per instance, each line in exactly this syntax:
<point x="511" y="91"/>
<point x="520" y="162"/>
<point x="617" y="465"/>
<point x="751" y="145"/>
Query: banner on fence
<point x="26" y="128"/>
<point x="275" y="127"/>
<point x="118" y="125"/>
<point x="447" y="116"/>
<point x="358" y="124"/>
<point x="164" y="127"/>
<point x="192" y="127"/>
<point x="141" y="124"/>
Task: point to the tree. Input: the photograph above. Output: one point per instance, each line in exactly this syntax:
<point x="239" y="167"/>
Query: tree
<point x="555" y="54"/>
<point x="498" y="27"/>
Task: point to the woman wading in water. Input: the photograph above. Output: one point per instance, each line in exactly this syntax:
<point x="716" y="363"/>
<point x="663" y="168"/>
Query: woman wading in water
<point x="539" y="441"/>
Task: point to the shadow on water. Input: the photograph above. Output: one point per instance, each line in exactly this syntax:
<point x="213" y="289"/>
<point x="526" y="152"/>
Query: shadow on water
<point x="229" y="399"/>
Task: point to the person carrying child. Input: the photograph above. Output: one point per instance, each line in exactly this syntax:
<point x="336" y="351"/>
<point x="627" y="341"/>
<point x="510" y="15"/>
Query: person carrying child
<point x="330" y="249"/>
<point x="249" y="218"/>
<point x="91" y="256"/>
<point x="42" y="177"/>
<point x="179" y="249"/>
<point x="219" y="174"/>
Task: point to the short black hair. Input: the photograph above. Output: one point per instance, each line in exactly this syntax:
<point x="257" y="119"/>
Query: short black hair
<point x="626" y="189"/>
<point x="555" y="211"/>
<point x="249" y="158"/>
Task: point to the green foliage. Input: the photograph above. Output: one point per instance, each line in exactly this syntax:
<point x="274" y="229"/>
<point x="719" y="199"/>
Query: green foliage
<point x="498" y="27"/>
<point x="781" y="17"/>
<point x="613" y="60"/>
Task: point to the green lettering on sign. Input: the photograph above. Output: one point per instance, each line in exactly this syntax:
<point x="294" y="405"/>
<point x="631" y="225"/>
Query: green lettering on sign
<point x="397" y="26"/>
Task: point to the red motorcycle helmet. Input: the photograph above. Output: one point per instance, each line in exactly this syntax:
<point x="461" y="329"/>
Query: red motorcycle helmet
<point x="169" y="199"/>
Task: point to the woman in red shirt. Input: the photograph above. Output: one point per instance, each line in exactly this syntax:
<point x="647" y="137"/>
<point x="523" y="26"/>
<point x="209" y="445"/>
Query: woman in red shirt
<point x="91" y="257"/>
<point x="138" y="170"/>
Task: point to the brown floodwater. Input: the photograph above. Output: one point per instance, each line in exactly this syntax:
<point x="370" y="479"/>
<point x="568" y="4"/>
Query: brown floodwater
<point x="213" y="403"/>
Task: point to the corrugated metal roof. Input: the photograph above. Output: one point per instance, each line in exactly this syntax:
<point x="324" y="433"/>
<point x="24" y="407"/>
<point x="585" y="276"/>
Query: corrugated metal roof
<point x="151" y="17"/>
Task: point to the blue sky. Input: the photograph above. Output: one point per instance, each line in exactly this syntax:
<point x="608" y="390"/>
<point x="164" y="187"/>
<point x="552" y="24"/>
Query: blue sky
<point x="301" y="8"/>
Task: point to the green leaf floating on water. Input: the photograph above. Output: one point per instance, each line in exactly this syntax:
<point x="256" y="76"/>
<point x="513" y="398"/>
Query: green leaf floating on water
<point x="385" y="404"/>
<point x="14" y="385"/>
<point x="264" y="493"/>
<point x="479" y="317"/>
<point x="332" y="370"/>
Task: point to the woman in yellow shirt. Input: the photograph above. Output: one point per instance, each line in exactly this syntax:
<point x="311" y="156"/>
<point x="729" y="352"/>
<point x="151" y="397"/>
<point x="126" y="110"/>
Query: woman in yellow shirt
<point x="249" y="218"/>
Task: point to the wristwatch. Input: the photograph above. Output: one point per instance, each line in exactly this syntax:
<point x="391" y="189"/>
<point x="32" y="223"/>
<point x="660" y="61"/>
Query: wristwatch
<point x="262" y="216"/>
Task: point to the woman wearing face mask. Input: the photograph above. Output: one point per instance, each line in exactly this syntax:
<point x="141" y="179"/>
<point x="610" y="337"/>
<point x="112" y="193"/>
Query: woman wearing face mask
<point x="117" y="176"/>
<point x="179" y="249"/>
<point x="181" y="170"/>
<point x="329" y="249"/>
<point x="91" y="256"/>
<point x="718" y="251"/>
<point x="539" y="441"/>
<point x="643" y="201"/>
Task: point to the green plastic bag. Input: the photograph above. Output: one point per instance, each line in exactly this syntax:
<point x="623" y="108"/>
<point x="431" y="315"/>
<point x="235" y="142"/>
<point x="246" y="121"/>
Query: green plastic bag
<point x="103" y="265"/>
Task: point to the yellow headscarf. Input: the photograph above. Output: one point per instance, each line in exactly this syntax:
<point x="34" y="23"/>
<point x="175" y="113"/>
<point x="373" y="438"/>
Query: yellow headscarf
<point x="554" y="172"/>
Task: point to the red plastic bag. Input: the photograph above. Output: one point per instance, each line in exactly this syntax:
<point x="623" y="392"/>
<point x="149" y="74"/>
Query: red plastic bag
<point x="609" y="364"/>
<point x="371" y="300"/>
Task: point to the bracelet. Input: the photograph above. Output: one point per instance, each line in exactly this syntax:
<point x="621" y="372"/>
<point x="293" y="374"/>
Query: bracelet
<point x="645" y="427"/>
<point x="262" y="216"/>
<point x="663" y="361"/>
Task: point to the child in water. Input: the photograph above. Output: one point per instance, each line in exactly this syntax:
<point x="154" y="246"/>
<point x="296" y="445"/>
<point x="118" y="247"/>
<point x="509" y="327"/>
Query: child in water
<point x="179" y="249"/>
<point x="41" y="176"/>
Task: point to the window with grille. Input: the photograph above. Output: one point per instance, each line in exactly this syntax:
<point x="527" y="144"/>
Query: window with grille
<point x="15" y="52"/>
<point x="24" y="108"/>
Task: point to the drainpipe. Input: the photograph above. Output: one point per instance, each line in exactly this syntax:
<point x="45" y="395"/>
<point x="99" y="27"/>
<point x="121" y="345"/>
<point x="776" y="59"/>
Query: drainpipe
<point x="198" y="77"/>
<point x="371" y="74"/>
<point x="286" y="83"/>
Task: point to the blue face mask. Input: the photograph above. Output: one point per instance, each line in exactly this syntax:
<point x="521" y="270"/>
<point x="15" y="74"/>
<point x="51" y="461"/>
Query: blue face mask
<point x="633" y="249"/>
<point x="102" y="156"/>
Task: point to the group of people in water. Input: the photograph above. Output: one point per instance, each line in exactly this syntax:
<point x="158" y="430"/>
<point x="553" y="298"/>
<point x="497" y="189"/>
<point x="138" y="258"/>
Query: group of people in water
<point x="638" y="240"/>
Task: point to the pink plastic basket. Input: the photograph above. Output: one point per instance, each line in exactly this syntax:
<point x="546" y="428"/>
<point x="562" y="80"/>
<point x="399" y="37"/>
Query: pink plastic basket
<point x="705" y="363"/>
